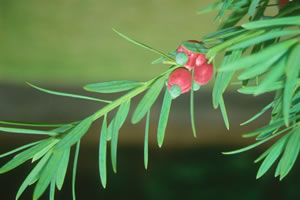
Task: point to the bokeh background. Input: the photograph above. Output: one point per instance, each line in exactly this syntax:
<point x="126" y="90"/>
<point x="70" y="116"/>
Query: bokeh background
<point x="65" y="44"/>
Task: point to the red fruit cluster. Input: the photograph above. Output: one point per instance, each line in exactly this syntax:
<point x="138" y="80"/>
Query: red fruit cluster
<point x="181" y="78"/>
<point x="194" y="59"/>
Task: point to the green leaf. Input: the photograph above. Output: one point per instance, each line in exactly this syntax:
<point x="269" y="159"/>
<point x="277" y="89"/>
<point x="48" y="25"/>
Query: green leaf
<point x="228" y="43"/>
<point x="268" y="88"/>
<point x="195" y="47"/>
<point x="261" y="56"/>
<point x="224" y="113"/>
<point x="52" y="190"/>
<point x="270" y="127"/>
<point x="233" y="18"/>
<point x="146" y="140"/>
<point x="63" y="129"/>
<point x="260" y="11"/>
<point x="271" y="77"/>
<point x="296" y="97"/>
<point x="25" y="155"/>
<point x="143" y="45"/>
<point x="161" y="59"/>
<point x="252" y="7"/>
<point x="35" y="171"/>
<point x="47" y="174"/>
<point x="75" y="169"/>
<point x="224" y="32"/>
<point x="267" y="107"/>
<point x="112" y="86"/>
<point x="263" y="155"/>
<point x="226" y="4"/>
<point x="120" y="118"/>
<point x="67" y="94"/>
<point x="292" y="69"/>
<point x="223" y="78"/>
<point x="294" y="109"/>
<point x="19" y="149"/>
<point x="274" y="153"/>
<point x="110" y="130"/>
<point x="30" y="124"/>
<point x="192" y="106"/>
<point x="211" y="7"/>
<point x="163" y="118"/>
<point x="75" y="134"/>
<point x="41" y="153"/>
<point x="27" y="131"/>
<point x="264" y="37"/>
<point x="255" y="144"/>
<point x="264" y="135"/>
<point x="283" y="21"/>
<point x="277" y="172"/>
<point x="259" y="68"/>
<point x="148" y="100"/>
<point x="62" y="169"/>
<point x="102" y="152"/>
<point x="291" y="153"/>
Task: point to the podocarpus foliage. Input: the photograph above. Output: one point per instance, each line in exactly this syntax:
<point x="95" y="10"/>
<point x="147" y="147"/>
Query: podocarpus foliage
<point x="263" y="53"/>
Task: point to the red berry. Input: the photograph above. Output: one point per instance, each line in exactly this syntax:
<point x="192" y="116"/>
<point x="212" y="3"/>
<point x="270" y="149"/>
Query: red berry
<point x="194" y="58"/>
<point x="203" y="73"/>
<point x="282" y="3"/>
<point x="182" y="78"/>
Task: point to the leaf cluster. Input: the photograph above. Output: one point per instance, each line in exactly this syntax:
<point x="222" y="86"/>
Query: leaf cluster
<point x="262" y="53"/>
<point x="264" y="56"/>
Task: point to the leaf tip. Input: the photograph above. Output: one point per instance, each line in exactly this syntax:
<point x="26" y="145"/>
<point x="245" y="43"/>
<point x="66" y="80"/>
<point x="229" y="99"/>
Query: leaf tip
<point x="159" y="144"/>
<point x="258" y="176"/>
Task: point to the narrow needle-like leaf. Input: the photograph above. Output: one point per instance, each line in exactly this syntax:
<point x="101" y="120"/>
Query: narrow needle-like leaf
<point x="283" y="21"/>
<point x="31" y="124"/>
<point x="255" y="144"/>
<point x="192" y="106"/>
<point x="148" y="100"/>
<point x="19" y="149"/>
<point x="142" y="45"/>
<point x="163" y="118"/>
<point x="36" y="170"/>
<point x="62" y="169"/>
<point x="52" y="190"/>
<point x="67" y="94"/>
<point x="47" y="174"/>
<point x="224" y="113"/>
<point x="146" y="140"/>
<point x="112" y="86"/>
<point x="275" y="152"/>
<point x="258" y="114"/>
<point x="27" y="131"/>
<point x="291" y="153"/>
<point x="117" y="123"/>
<point x="75" y="169"/>
<point x="252" y="7"/>
<point x="74" y="134"/>
<point x="292" y="69"/>
<point x="102" y="152"/>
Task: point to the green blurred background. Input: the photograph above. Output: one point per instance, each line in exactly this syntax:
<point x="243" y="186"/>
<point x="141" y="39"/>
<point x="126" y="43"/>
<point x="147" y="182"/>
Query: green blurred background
<point x="63" y="45"/>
